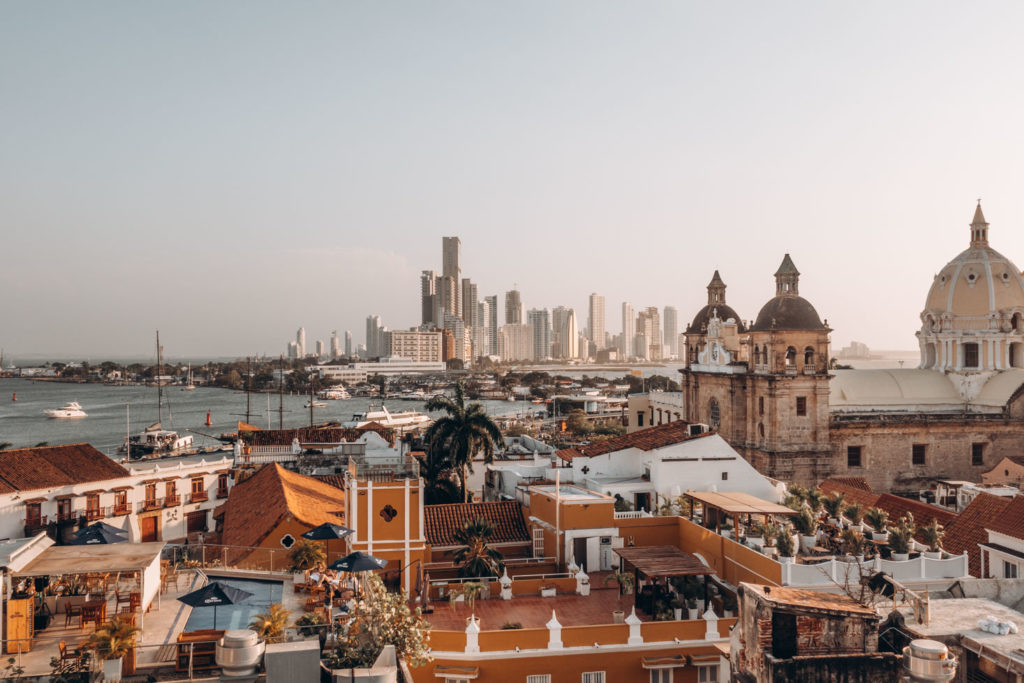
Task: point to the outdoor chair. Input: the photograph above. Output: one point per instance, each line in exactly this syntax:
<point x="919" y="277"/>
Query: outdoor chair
<point x="135" y="601"/>
<point x="121" y="599"/>
<point x="70" y="612"/>
<point x="69" y="661"/>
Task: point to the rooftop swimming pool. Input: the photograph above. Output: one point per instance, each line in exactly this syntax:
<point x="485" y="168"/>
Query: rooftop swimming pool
<point x="264" y="594"/>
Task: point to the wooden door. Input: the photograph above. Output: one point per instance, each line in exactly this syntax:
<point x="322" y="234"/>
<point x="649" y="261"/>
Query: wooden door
<point x="148" y="527"/>
<point x="196" y="521"/>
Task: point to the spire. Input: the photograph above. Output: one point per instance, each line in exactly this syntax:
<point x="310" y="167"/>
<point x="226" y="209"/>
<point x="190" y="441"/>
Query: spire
<point x="979" y="228"/>
<point x="716" y="290"/>
<point x="787" y="277"/>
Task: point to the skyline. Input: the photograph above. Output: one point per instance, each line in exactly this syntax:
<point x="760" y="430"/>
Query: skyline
<point x="231" y="173"/>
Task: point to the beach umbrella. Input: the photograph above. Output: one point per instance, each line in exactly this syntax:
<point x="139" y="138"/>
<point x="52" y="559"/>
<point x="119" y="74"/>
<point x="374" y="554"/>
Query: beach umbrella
<point x="98" y="533"/>
<point x="327" y="532"/>
<point x="358" y="562"/>
<point x="213" y="595"/>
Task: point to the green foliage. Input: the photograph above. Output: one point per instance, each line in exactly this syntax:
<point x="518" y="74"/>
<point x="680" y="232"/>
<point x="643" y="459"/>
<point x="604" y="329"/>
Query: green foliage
<point x="805" y="523"/>
<point x="456" y="438"/>
<point x="854" y="512"/>
<point x="308" y="622"/>
<point x="621" y="504"/>
<point x="270" y="625"/>
<point x="113" y="639"/>
<point x="785" y="543"/>
<point x="854" y="542"/>
<point x="900" y="535"/>
<point x="815" y="497"/>
<point x="932" y="535"/>
<point x="771" y="532"/>
<point x="306" y="554"/>
<point x="834" y="504"/>
<point x="475" y="557"/>
<point x="877" y="518"/>
<point x="468" y="591"/>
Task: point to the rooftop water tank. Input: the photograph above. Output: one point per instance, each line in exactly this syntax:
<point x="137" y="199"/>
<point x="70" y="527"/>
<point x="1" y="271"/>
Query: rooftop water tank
<point x="928" y="660"/>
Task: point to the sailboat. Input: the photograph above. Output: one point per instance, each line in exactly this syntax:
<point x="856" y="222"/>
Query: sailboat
<point x="190" y="385"/>
<point x="155" y="441"/>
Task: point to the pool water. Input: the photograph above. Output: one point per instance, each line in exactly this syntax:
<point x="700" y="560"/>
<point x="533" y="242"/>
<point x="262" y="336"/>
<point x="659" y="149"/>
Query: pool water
<point x="229" y="617"/>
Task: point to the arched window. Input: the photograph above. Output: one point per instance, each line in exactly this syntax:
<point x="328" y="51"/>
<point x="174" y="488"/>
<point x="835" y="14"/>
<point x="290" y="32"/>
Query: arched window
<point x="757" y="355"/>
<point x="714" y="413"/>
<point x="760" y="430"/>
<point x="760" y="405"/>
<point x="790" y="357"/>
<point x="809" y="356"/>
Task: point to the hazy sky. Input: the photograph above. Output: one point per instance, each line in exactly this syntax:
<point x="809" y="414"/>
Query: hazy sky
<point x="229" y="171"/>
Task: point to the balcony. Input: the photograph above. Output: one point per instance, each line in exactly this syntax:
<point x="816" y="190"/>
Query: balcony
<point x="93" y="514"/>
<point x="151" y="504"/>
<point x="67" y="516"/>
<point x="35" y="524"/>
<point x="222" y="494"/>
<point x="119" y="509"/>
<point x="199" y="497"/>
<point x="172" y="501"/>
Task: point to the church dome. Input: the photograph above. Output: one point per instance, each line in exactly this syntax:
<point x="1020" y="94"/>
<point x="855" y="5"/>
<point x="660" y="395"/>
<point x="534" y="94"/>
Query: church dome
<point x="787" y="310"/>
<point x="977" y="286"/>
<point x="716" y="304"/>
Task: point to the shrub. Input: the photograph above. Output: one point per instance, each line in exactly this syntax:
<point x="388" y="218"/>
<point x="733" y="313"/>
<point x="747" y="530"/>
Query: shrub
<point x="854" y="512"/>
<point x="785" y="543"/>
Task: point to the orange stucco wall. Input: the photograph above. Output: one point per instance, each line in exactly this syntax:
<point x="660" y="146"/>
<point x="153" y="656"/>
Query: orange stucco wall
<point x="732" y="561"/>
<point x="574" y="514"/>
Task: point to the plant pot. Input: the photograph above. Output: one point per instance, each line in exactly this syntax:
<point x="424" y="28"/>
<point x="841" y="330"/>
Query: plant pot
<point x="876" y="536"/>
<point x="769" y="551"/>
<point x="933" y="554"/>
<point x="112" y="670"/>
<point x="808" y="542"/>
<point x="901" y="557"/>
<point x="693" y="613"/>
<point x="786" y="559"/>
<point x="678" y="612"/>
<point x="618" y="617"/>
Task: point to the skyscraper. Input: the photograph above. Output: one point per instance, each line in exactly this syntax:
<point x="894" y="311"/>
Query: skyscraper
<point x="335" y="344"/>
<point x="450" y="247"/>
<point x="447" y="299"/>
<point x="671" y="340"/>
<point x="469" y="302"/>
<point x="595" y="320"/>
<point x="648" y="326"/>
<point x="513" y="308"/>
<point x="300" y="341"/>
<point x="428" y="297"/>
<point x="540" y="321"/>
<point x="566" y="333"/>
<point x="628" y="330"/>
<point x="348" y="342"/>
<point x="491" y="323"/>
<point x="319" y="348"/>
<point x="373" y="336"/>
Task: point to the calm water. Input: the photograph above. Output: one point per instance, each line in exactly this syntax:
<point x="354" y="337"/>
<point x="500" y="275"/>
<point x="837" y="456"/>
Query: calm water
<point x="231" y="617"/>
<point x="24" y="424"/>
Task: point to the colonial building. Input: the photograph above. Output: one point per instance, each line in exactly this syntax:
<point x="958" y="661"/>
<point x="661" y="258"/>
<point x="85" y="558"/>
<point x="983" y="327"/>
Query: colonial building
<point x="768" y="390"/>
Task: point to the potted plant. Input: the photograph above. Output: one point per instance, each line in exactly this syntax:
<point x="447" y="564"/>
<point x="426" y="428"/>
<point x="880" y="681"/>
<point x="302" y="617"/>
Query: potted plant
<point x="270" y="625"/>
<point x="304" y="556"/>
<point x="814" y="500"/>
<point x="834" y="506"/>
<point x="625" y="581"/>
<point x="854" y="544"/>
<point x="855" y="513"/>
<point x="806" y="525"/>
<point x="728" y="604"/>
<point x="677" y="607"/>
<point x="879" y="521"/>
<point x="900" y="537"/>
<point x="468" y="591"/>
<point x="932" y="535"/>
<point x="785" y="544"/>
<point x="313" y="624"/>
<point x="112" y="642"/>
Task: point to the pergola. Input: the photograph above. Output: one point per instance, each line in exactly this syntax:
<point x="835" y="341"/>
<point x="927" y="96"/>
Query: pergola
<point x="735" y="504"/>
<point x="661" y="562"/>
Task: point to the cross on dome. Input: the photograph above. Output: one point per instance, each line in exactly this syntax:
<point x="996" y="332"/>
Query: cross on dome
<point x="979" y="228"/>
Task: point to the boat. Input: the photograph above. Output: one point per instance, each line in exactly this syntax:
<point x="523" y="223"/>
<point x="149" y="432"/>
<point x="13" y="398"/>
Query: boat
<point x="155" y="441"/>
<point x="71" y="410"/>
<point x="334" y="394"/>
<point x="190" y="385"/>
<point x="404" y="420"/>
<point x="315" y="404"/>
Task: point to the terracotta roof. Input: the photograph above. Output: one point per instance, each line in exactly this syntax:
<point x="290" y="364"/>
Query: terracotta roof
<point x="441" y="521"/>
<point x="1011" y="521"/>
<point x="968" y="529"/>
<point x="335" y="480"/>
<point x="29" y="469"/>
<point x="643" y="439"/>
<point x="257" y="505"/>
<point x="855" y="490"/>
<point x="1016" y="459"/>
<point x="924" y="513"/>
<point x="310" y="435"/>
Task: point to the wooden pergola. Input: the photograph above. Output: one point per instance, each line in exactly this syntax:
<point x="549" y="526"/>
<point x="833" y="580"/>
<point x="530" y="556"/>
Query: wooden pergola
<point x="661" y="562"/>
<point x="735" y="504"/>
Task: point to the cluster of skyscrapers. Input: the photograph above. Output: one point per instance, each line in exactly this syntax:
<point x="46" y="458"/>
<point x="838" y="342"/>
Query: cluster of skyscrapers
<point x="297" y="348"/>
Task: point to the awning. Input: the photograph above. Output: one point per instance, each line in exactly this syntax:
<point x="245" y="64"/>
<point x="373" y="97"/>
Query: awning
<point x="64" y="496"/>
<point x="673" y="662"/>
<point x="94" y="492"/>
<point x="81" y="559"/>
<point x="121" y="488"/>
<point x="457" y="673"/>
<point x="41" y="499"/>
<point x="662" y="561"/>
<point x="738" y="503"/>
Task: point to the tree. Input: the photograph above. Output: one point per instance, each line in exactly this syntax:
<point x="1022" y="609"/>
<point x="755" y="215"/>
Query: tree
<point x="439" y="486"/>
<point x="475" y="557"/>
<point x="270" y="625"/>
<point x="382" y="619"/>
<point x="462" y="433"/>
<point x="306" y="554"/>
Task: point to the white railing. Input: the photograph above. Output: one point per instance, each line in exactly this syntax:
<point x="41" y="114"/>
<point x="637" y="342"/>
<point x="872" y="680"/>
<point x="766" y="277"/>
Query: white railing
<point x="831" y="571"/>
<point x="633" y="514"/>
<point x="264" y="458"/>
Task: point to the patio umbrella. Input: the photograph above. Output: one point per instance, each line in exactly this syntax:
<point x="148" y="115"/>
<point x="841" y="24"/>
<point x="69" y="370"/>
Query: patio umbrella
<point x="327" y="532"/>
<point x="358" y="562"/>
<point x="214" y="594"/>
<point x="99" y="532"/>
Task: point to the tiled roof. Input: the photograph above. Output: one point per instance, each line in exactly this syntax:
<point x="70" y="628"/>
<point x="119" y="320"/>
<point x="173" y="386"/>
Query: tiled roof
<point x="29" y="469"/>
<point x="1016" y="459"/>
<point x="897" y="506"/>
<point x="643" y="439"/>
<point x="257" y="505"/>
<point x="1011" y="521"/>
<point x="854" y="489"/>
<point x="441" y="521"/>
<point x="310" y="435"/>
<point x="968" y="529"/>
<point x="335" y="480"/>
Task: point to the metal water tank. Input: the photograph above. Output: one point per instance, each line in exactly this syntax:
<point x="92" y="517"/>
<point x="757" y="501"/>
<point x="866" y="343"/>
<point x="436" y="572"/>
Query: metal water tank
<point x="239" y="652"/>
<point x="928" y="660"/>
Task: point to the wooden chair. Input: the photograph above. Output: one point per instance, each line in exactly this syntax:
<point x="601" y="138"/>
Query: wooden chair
<point x="121" y="599"/>
<point x="70" y="612"/>
<point x="127" y="614"/>
<point x="69" y="661"/>
<point x="135" y="601"/>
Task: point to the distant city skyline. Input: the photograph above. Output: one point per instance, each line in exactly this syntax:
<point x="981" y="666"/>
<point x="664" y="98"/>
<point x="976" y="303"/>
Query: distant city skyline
<point x="230" y="172"/>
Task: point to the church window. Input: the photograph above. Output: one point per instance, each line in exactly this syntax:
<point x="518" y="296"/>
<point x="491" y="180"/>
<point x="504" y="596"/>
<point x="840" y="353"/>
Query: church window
<point x="917" y="453"/>
<point x="970" y="355"/>
<point x="760" y="405"/>
<point x="639" y="418"/>
<point x="801" y="405"/>
<point x="715" y="414"/>
<point x="809" y="356"/>
<point x="757" y="355"/>
<point x="790" y="357"/>
<point x="760" y="430"/>
<point x="853" y="454"/>
<point x="977" y="454"/>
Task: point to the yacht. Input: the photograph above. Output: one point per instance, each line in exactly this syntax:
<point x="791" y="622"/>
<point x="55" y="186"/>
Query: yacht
<point x="157" y="441"/>
<point x="404" y="420"/>
<point x="70" y="410"/>
<point x="190" y="385"/>
<point x="315" y="404"/>
<point x="334" y="394"/>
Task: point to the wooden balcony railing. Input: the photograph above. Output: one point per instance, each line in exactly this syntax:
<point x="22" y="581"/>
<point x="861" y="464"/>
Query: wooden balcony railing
<point x="172" y="501"/>
<point x="199" y="497"/>
<point x="120" y="509"/>
<point x="151" y="504"/>
<point x="92" y="514"/>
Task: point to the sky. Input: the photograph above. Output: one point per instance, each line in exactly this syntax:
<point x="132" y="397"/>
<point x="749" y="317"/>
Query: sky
<point x="228" y="172"/>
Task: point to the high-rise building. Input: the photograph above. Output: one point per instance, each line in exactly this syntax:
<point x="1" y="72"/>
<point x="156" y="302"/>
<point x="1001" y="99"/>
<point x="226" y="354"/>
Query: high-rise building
<point x="428" y="297"/>
<point x="460" y="335"/>
<point x="540" y="321"/>
<point x="671" y="321"/>
<point x="374" y="348"/>
<point x="335" y="344"/>
<point x="450" y="247"/>
<point x="491" y="323"/>
<point x="348" y="342"/>
<point x="628" y="330"/>
<point x="513" y="307"/>
<point x="300" y="341"/>
<point x="416" y="345"/>
<point x="515" y="342"/>
<point x="447" y="298"/>
<point x="595" y="320"/>
<point x="566" y="332"/>
<point x="469" y="302"/>
<point x="319" y="348"/>
<point x="648" y="326"/>
<point x="293" y="350"/>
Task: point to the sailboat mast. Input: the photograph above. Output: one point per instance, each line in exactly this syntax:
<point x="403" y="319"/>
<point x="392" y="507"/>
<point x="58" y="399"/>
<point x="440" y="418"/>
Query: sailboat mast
<point x="159" y="376"/>
<point x="280" y="394"/>
<point x="248" y="389"/>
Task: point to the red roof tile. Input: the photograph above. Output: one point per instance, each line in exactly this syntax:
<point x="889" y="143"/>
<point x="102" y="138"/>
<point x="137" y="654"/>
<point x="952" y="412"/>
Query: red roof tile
<point x="29" y="469"/>
<point x="969" y="528"/>
<point x="854" y="489"/>
<point x="441" y="521"/>
<point x="257" y="505"/>
<point x="1011" y="521"/>
<point x="335" y="480"/>
<point x="924" y="513"/>
<point x="643" y="439"/>
<point x="308" y="435"/>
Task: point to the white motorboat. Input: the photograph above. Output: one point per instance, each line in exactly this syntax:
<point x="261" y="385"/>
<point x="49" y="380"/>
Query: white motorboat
<point x="71" y="410"/>
<point x="334" y="394"/>
<point x="315" y="404"/>
<point x="406" y="420"/>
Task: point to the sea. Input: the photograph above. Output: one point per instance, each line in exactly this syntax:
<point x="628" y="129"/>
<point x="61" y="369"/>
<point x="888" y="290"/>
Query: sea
<point x="114" y="411"/>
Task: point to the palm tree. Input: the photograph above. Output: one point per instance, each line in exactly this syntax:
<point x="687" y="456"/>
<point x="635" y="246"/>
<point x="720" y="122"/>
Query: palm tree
<point x="475" y="557"/>
<point x="439" y="484"/>
<point x="270" y="625"/>
<point x="461" y="434"/>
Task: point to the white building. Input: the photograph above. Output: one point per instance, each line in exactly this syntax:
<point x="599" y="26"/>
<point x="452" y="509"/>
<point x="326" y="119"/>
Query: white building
<point x="421" y="347"/>
<point x="671" y="332"/>
<point x="595" y="320"/>
<point x="540" y="321"/>
<point x="300" y="341"/>
<point x="515" y="342"/>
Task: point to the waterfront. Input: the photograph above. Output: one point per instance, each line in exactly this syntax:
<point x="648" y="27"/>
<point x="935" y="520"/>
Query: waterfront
<point x="22" y="423"/>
